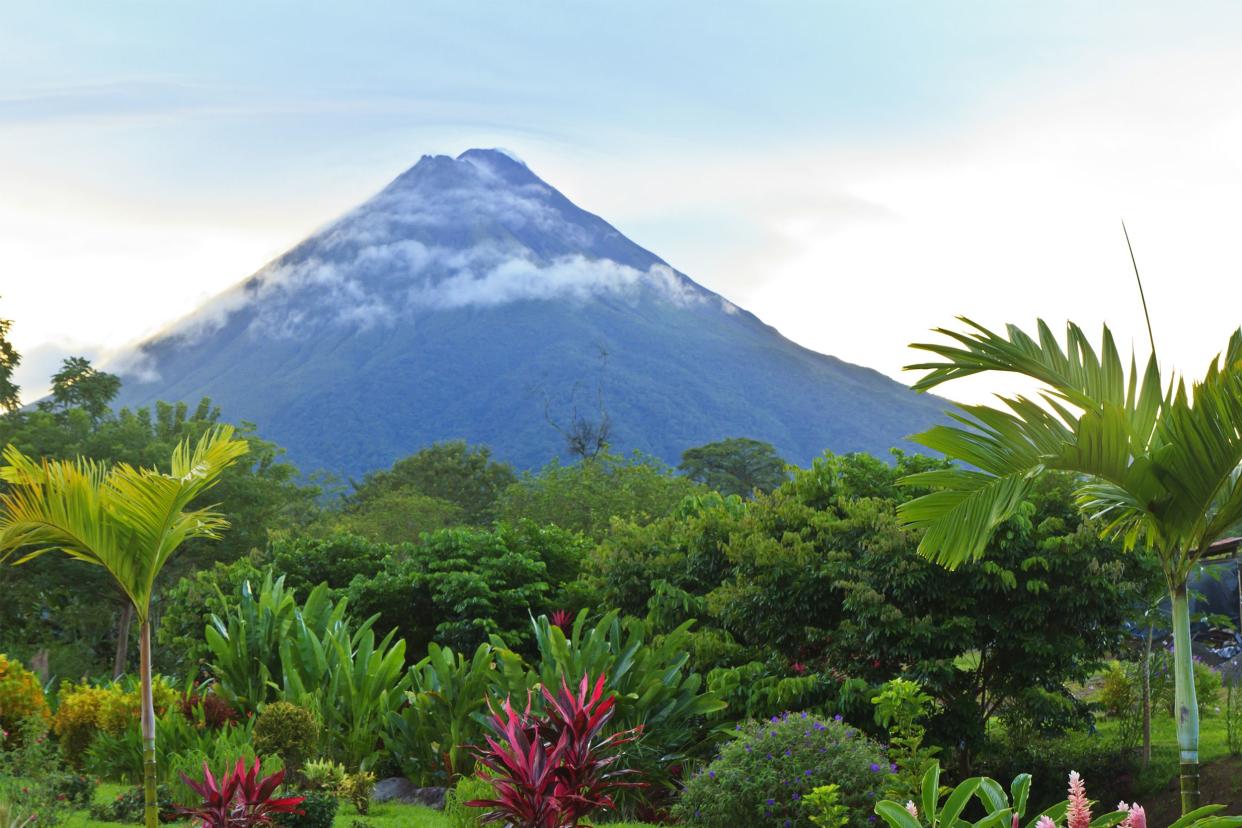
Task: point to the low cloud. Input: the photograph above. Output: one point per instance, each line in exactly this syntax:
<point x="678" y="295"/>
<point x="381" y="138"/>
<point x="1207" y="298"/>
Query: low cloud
<point x="570" y="277"/>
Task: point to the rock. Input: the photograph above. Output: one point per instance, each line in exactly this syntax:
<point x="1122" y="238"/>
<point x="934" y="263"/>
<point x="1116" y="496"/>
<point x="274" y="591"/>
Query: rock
<point x="400" y="789"/>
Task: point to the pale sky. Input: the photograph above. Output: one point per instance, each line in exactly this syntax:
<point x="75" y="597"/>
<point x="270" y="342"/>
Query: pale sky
<point x="853" y="173"/>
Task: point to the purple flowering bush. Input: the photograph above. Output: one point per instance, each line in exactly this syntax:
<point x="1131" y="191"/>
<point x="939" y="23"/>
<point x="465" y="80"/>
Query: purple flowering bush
<point x="763" y="776"/>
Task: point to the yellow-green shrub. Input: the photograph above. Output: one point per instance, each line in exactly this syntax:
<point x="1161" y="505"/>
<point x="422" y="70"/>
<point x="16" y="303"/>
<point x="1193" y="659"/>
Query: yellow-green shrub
<point x="121" y="705"/>
<point x="21" y="697"/>
<point x="77" y="718"/>
<point x="287" y="731"/>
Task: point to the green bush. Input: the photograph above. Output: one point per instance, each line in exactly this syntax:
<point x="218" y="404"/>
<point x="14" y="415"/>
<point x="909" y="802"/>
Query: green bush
<point x="129" y="806"/>
<point x="21" y="698"/>
<point x="287" y="731"/>
<point x="1119" y="692"/>
<point x="357" y="788"/>
<point x="1108" y="764"/>
<point x="30" y="774"/>
<point x="78" y="789"/>
<point x="467" y="789"/>
<point x="768" y="770"/>
<point x="323" y="775"/>
<point x="319" y="810"/>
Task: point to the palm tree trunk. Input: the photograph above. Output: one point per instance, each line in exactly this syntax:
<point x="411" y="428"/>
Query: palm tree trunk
<point x="151" y="809"/>
<point x="1151" y="630"/>
<point x="1187" y="707"/>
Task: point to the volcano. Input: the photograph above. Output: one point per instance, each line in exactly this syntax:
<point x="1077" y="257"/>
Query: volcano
<point x="471" y="300"/>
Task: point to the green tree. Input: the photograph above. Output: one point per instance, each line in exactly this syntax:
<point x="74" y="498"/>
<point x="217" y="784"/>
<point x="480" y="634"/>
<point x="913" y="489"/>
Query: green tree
<point x="586" y="496"/>
<point x="463" y="475"/>
<point x="127" y="520"/>
<point x="397" y="516"/>
<point x="9" y="360"/>
<point x="78" y="384"/>
<point x="820" y="573"/>
<point x="1158" y="465"/>
<point x="736" y="466"/>
<point x="459" y="586"/>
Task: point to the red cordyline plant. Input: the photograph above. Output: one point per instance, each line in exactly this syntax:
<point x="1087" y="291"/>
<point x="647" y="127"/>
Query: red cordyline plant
<point x="554" y="770"/>
<point x="240" y="799"/>
<point x="561" y="618"/>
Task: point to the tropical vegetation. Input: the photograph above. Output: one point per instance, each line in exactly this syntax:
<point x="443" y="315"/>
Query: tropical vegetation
<point x="732" y="641"/>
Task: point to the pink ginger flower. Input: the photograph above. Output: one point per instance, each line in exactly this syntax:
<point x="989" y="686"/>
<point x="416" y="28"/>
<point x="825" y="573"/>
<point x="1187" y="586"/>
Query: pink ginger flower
<point x="1079" y="813"/>
<point x="1014" y="824"/>
<point x="1136" y="817"/>
<point x="1045" y="821"/>
<point x="912" y="809"/>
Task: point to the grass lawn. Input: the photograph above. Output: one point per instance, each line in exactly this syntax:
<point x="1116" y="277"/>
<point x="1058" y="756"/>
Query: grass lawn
<point x="381" y="816"/>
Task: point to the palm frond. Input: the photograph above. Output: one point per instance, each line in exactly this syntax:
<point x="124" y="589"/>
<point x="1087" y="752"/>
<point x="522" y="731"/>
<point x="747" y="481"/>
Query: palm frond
<point x="1160" y="465"/>
<point x="127" y="520"/>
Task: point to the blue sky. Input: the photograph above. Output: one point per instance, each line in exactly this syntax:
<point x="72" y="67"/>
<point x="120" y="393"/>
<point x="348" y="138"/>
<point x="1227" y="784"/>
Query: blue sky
<point x="855" y="173"/>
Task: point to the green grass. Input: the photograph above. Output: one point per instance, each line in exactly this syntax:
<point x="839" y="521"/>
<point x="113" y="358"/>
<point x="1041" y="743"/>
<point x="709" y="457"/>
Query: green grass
<point x="380" y="816"/>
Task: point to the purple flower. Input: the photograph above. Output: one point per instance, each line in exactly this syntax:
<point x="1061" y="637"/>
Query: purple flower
<point x="711" y="774"/>
<point x="837" y="718"/>
<point x="875" y="768"/>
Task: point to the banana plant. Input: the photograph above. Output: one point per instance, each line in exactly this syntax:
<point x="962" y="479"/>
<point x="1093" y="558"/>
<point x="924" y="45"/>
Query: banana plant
<point x="446" y="710"/>
<point x="354" y="683"/>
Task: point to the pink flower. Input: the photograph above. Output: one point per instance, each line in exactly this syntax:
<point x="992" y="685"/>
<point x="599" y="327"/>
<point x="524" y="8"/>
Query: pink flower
<point x="1015" y="821"/>
<point x="912" y="809"/>
<point x="1045" y="821"/>
<point x="1079" y="813"/>
<point x="1136" y="817"/>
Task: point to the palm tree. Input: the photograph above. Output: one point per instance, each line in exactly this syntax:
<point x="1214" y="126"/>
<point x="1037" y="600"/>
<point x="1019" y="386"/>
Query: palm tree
<point x="1159" y="466"/>
<point x="128" y="520"/>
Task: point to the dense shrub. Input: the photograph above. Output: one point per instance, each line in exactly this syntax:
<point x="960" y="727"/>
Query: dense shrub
<point x="78" y="789"/>
<point x="1109" y="765"/>
<point x="21" y="698"/>
<point x="77" y="718"/>
<point x="763" y="775"/>
<point x="318" y="811"/>
<point x="209" y="709"/>
<point x="287" y="731"/>
<point x="121" y="705"/>
<point x="129" y="806"/>
<point x="357" y="788"/>
<point x="1119" y="692"/>
<point x="323" y="775"/>
<point x="31" y="774"/>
